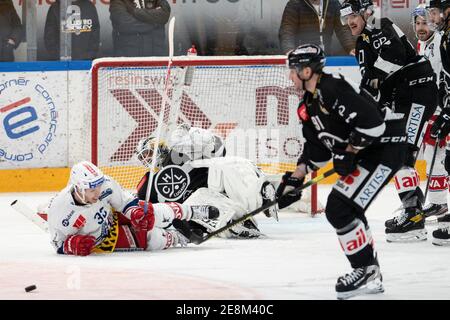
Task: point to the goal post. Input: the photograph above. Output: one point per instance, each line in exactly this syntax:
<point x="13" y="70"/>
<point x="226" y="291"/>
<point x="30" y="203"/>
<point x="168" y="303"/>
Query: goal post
<point x="248" y="101"/>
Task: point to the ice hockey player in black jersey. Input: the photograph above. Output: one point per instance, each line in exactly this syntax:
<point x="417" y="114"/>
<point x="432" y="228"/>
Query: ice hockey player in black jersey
<point x="441" y="126"/>
<point x="405" y="83"/>
<point x="343" y="123"/>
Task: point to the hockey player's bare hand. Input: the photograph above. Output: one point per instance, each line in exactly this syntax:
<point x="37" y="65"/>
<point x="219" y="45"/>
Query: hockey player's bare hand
<point x="285" y="194"/>
<point x="344" y="161"/>
<point x="79" y="245"/>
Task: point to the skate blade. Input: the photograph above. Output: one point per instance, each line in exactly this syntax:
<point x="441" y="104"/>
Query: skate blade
<point x="432" y="220"/>
<point x="410" y="236"/>
<point x="372" y="287"/>
<point x="440" y="242"/>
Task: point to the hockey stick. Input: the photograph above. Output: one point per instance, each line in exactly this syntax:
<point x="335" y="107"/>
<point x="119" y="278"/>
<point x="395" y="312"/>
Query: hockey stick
<point x="260" y="209"/>
<point x="28" y="213"/>
<point x="162" y="111"/>
<point x="433" y="160"/>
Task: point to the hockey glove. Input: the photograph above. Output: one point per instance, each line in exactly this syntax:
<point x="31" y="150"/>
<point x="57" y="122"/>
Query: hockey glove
<point x="447" y="161"/>
<point x="344" y="162"/>
<point x="284" y="195"/>
<point x="441" y="126"/>
<point x="140" y="220"/>
<point x="79" y="245"/>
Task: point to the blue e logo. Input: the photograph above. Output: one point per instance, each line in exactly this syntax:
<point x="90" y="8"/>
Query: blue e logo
<point x="12" y="128"/>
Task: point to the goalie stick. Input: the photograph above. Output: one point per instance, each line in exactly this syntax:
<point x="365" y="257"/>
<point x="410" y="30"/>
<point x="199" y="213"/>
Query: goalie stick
<point x="199" y="240"/>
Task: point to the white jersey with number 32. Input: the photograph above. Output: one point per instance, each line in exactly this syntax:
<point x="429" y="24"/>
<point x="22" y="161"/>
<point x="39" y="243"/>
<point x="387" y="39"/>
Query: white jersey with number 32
<point x="67" y="218"/>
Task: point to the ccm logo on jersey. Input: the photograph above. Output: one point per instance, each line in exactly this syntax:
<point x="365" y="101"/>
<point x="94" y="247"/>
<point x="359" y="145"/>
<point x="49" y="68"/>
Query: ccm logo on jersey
<point x="421" y="80"/>
<point x="393" y="139"/>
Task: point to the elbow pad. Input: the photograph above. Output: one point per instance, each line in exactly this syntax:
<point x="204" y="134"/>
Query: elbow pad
<point x="359" y="140"/>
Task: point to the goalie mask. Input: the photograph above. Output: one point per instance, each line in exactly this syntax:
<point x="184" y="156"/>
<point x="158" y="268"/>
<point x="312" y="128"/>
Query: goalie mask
<point x="145" y="149"/>
<point x="85" y="175"/>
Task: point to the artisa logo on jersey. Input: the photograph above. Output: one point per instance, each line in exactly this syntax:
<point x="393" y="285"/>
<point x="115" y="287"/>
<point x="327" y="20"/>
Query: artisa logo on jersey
<point x="172" y="182"/>
<point x="29" y="120"/>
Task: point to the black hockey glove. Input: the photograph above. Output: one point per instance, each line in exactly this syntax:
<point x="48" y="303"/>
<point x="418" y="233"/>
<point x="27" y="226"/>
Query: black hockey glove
<point x="344" y="162"/>
<point x="447" y="161"/>
<point x="441" y="126"/>
<point x="284" y="196"/>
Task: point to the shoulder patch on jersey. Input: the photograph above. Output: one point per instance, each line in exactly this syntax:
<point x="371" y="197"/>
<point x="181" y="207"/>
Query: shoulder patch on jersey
<point x="302" y="113"/>
<point x="105" y="193"/>
<point x="80" y="222"/>
<point x="365" y="37"/>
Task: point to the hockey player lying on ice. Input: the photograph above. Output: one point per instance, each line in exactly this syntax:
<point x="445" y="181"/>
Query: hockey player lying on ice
<point x="233" y="184"/>
<point x="94" y="214"/>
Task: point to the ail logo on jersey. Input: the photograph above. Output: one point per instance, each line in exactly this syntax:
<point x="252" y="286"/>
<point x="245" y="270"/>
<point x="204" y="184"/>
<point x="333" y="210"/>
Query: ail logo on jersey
<point x="349" y="184"/>
<point x="353" y="242"/>
<point x="80" y="222"/>
<point x="407" y="180"/>
<point x="171" y="183"/>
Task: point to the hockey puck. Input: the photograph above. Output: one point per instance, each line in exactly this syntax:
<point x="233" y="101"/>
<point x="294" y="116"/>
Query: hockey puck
<point x="30" y="288"/>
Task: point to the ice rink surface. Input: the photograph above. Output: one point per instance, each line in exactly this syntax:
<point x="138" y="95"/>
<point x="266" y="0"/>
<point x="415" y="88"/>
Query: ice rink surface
<point x="300" y="258"/>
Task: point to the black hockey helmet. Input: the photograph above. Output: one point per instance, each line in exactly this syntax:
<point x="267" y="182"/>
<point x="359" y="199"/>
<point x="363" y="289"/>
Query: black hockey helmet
<point x="434" y="4"/>
<point x="444" y="4"/>
<point x="349" y="7"/>
<point x="307" y="55"/>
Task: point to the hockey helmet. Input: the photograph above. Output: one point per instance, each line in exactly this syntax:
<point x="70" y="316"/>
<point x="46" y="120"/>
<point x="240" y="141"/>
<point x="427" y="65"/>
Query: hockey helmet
<point x="350" y="7"/>
<point x="422" y="11"/>
<point x="145" y="149"/>
<point x="85" y="175"/>
<point x="433" y="4"/>
<point x="307" y="55"/>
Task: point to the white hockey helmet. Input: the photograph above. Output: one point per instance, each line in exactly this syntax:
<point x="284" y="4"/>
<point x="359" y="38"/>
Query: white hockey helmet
<point x="145" y="148"/>
<point x="85" y="175"/>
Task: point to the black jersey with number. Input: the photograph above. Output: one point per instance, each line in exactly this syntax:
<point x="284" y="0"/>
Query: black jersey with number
<point x="338" y="114"/>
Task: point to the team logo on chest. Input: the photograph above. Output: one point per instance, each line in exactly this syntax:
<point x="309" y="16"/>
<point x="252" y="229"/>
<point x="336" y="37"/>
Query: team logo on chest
<point x="171" y="183"/>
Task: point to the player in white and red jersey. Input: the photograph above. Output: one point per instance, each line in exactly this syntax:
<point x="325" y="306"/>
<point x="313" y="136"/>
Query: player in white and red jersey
<point x="429" y="39"/>
<point x="94" y="214"/>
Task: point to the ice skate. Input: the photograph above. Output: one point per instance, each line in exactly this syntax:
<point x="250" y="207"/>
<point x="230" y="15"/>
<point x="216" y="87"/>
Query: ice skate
<point x="364" y="280"/>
